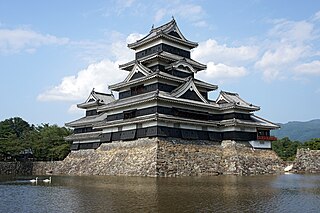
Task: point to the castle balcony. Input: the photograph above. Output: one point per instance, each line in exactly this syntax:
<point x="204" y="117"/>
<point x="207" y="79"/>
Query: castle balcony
<point x="267" y="138"/>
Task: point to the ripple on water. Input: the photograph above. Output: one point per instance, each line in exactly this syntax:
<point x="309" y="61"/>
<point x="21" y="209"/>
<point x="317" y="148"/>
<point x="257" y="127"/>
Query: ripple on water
<point x="283" y="193"/>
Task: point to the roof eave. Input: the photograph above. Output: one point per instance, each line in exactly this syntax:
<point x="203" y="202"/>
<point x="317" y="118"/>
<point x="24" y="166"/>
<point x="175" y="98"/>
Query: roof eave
<point x="89" y="104"/>
<point x="137" y="44"/>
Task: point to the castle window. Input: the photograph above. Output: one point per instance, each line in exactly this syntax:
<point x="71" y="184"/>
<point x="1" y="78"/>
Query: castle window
<point x="129" y="114"/>
<point x="263" y="133"/>
<point x="137" y="90"/>
<point x="91" y="112"/>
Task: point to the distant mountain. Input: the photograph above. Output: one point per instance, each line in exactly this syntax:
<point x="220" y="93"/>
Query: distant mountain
<point x="299" y="131"/>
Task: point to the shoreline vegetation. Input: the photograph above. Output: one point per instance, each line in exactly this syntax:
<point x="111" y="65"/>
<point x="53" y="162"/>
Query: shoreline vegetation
<point x="20" y="141"/>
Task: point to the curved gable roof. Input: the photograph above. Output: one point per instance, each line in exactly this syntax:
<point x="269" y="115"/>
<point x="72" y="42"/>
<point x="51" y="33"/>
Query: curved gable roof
<point x="169" y="30"/>
<point x="96" y="99"/>
<point x="234" y="98"/>
<point x="189" y="85"/>
<point x="138" y="67"/>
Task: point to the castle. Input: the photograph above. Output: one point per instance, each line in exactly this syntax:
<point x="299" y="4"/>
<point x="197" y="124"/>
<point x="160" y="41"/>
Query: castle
<point x="162" y="98"/>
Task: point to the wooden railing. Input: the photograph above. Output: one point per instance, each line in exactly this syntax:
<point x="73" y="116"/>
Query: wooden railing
<point x="267" y="138"/>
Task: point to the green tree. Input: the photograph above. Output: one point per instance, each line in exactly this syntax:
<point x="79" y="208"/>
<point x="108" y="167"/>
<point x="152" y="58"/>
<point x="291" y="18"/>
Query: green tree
<point x="14" y="126"/>
<point x="313" y="144"/>
<point x="45" y="141"/>
<point x="13" y="131"/>
<point x="285" y="148"/>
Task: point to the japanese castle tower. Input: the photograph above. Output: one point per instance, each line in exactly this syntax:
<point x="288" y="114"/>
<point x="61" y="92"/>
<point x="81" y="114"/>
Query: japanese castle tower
<point x="161" y="97"/>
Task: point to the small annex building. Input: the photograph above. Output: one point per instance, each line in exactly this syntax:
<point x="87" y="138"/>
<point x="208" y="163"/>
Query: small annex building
<point x="161" y="97"/>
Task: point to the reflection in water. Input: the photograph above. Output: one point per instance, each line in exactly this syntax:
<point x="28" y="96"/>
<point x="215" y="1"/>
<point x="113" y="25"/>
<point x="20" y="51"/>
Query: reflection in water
<point x="284" y="193"/>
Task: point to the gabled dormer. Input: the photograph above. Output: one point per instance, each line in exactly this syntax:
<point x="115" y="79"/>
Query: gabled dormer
<point x="182" y="65"/>
<point x="138" y="71"/>
<point x="233" y="99"/>
<point x="96" y="99"/>
<point x="181" y="68"/>
<point x="189" y="90"/>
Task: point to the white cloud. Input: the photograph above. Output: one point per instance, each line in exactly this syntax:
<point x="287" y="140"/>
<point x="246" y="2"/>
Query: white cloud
<point x="73" y="109"/>
<point x="120" y="50"/>
<point x="159" y="15"/>
<point x="133" y="37"/>
<point x="192" y="12"/>
<point x="290" y="31"/>
<point x="275" y="63"/>
<point x="18" y="40"/>
<point x="283" y="54"/>
<point x="312" y="68"/>
<point x="97" y="75"/>
<point x="288" y="44"/>
<point x="316" y="16"/>
<point x="125" y="3"/>
<point x="210" y="50"/>
<point x="221" y="72"/>
<point x="200" y="23"/>
<point x="122" y="5"/>
<point x="77" y="87"/>
<point x="114" y="47"/>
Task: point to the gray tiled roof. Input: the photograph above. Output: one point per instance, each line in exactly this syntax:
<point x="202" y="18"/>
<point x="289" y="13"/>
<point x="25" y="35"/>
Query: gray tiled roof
<point x="255" y="122"/>
<point x="168" y="56"/>
<point x="163" y="31"/>
<point x="88" y="120"/>
<point x="83" y="136"/>
<point x="163" y="75"/>
<point x="183" y="88"/>
<point x="234" y="98"/>
<point x="99" y="99"/>
<point x="129" y="101"/>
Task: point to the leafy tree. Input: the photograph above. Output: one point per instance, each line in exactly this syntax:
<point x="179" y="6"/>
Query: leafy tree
<point x="285" y="148"/>
<point x="48" y="142"/>
<point x="45" y="141"/>
<point x="313" y="144"/>
<point x="14" y="126"/>
<point x="12" y="134"/>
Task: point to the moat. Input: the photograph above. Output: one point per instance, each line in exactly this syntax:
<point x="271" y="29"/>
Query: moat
<point x="268" y="193"/>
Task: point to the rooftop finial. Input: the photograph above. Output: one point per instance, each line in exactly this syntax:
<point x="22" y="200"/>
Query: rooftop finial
<point x="152" y="26"/>
<point x="172" y="17"/>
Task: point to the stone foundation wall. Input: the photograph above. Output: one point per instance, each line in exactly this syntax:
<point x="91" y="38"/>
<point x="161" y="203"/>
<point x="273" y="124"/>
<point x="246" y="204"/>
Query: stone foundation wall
<point x="169" y="157"/>
<point x="16" y="168"/>
<point x="180" y="158"/>
<point x="166" y="157"/>
<point x="307" y="161"/>
<point x="137" y="158"/>
<point x="229" y="157"/>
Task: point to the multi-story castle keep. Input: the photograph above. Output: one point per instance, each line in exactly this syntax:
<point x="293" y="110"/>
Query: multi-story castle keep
<point x="160" y="97"/>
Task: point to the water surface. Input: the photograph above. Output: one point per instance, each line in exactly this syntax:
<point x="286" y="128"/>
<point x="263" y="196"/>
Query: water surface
<point x="281" y="193"/>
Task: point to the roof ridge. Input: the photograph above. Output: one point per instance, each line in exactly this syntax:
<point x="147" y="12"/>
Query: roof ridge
<point x="229" y="93"/>
<point x="102" y="93"/>
<point x="162" y="26"/>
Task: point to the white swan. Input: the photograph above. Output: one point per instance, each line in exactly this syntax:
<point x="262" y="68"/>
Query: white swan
<point x="288" y="168"/>
<point x="47" y="180"/>
<point x="34" y="180"/>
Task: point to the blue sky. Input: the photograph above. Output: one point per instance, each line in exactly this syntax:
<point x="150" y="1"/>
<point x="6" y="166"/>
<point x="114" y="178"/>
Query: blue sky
<point x="52" y="53"/>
